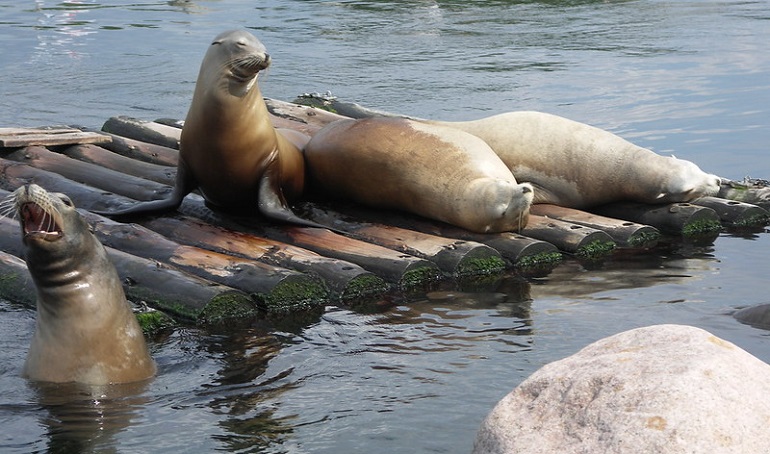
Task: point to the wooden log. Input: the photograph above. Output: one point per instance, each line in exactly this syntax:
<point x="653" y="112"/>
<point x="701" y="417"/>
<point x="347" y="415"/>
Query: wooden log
<point x="521" y="252"/>
<point x="735" y="213"/>
<point x="147" y="152"/>
<point x="16" y="283"/>
<point x="102" y="157"/>
<point x="585" y="242"/>
<point x="625" y="233"/>
<point x="750" y="190"/>
<point x="453" y="256"/>
<point x="676" y="218"/>
<point x="91" y="174"/>
<point x="14" y="174"/>
<point x="183" y="295"/>
<point x="302" y="118"/>
<point x="23" y="137"/>
<point x="405" y="270"/>
<point x="144" y="131"/>
<point x="346" y="280"/>
<point x="347" y="109"/>
<point x="274" y="288"/>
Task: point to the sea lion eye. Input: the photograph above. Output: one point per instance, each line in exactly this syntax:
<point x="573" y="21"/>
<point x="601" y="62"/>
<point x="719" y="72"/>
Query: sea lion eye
<point x="66" y="201"/>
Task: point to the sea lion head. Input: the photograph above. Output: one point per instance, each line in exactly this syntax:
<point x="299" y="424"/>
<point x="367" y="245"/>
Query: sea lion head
<point x="501" y="205"/>
<point x="240" y="56"/>
<point x="686" y="181"/>
<point x="50" y="225"/>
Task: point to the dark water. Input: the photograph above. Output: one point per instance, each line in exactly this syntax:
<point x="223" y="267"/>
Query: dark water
<point x="413" y="373"/>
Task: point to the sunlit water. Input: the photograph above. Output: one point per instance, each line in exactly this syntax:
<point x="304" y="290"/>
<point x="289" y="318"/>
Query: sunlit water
<point x="411" y="373"/>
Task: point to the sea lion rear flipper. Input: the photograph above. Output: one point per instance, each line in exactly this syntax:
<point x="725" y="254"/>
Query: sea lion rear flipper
<point x="272" y="203"/>
<point x="184" y="184"/>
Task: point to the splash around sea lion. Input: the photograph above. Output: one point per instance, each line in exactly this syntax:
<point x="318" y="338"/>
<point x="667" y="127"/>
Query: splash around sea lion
<point x="229" y="149"/>
<point x="85" y="329"/>
<point x="579" y="166"/>
<point x="433" y="171"/>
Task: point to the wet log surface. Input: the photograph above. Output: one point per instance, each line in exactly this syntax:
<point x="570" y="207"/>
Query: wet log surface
<point x="200" y="265"/>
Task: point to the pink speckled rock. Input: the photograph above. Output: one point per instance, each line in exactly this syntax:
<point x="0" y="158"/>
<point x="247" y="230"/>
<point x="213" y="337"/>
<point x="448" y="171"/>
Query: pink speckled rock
<point x="660" y="389"/>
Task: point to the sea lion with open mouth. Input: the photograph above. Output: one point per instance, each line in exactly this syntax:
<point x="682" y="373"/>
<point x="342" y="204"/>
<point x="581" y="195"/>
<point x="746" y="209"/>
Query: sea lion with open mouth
<point x="85" y="330"/>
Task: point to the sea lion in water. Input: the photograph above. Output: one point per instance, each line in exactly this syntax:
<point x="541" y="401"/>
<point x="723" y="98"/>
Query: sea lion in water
<point x="85" y="330"/>
<point x="229" y="149"/>
<point x="433" y="171"/>
<point x="579" y="166"/>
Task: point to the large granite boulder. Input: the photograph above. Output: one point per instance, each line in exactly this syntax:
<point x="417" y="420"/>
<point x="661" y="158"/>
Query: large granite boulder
<point x="660" y="389"/>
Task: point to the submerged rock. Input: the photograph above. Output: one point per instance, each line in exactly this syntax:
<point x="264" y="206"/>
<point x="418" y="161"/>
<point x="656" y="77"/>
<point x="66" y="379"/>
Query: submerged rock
<point x="660" y="389"/>
<point x="757" y="316"/>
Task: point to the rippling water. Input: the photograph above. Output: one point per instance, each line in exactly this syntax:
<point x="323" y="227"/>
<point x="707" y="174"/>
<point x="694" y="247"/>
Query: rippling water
<point x="413" y="373"/>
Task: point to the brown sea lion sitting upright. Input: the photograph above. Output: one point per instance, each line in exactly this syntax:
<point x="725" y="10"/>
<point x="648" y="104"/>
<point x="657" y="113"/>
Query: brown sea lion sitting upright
<point x="85" y="330"/>
<point x="229" y="149"/>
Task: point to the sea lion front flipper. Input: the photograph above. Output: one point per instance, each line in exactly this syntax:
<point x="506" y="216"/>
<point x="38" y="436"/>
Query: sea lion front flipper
<point x="183" y="185"/>
<point x="273" y="205"/>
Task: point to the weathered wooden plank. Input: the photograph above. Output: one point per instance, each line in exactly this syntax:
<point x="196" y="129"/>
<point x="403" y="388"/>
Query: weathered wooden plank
<point x="144" y="131"/>
<point x="346" y="280"/>
<point x="573" y="238"/>
<point x="735" y="213"/>
<point x="676" y="218"/>
<point x="625" y="233"/>
<point x="453" y="256"/>
<point x="22" y="137"/>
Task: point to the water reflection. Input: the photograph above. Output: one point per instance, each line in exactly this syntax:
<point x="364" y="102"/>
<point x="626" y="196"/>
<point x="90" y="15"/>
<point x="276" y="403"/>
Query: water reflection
<point x="81" y="418"/>
<point x="62" y="29"/>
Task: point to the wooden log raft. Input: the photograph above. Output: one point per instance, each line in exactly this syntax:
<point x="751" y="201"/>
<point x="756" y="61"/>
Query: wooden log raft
<point x="400" y="248"/>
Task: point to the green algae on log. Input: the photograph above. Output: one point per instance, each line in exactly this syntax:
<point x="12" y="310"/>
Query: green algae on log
<point x="676" y="218"/>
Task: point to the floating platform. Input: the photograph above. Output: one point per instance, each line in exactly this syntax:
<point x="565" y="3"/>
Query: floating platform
<point x="201" y="266"/>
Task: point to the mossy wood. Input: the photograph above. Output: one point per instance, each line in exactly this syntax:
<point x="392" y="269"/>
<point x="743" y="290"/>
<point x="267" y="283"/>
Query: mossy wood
<point x="344" y="279"/>
<point x="517" y="250"/>
<point x="273" y="287"/>
<point x="453" y="256"/>
<point x="735" y="213"/>
<point x="397" y="267"/>
<point x="676" y="218"/>
<point x="625" y="233"/>
<point x="570" y="237"/>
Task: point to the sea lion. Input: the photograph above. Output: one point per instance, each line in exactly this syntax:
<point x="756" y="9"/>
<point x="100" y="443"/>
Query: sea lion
<point x="229" y="149"/>
<point x="85" y="331"/>
<point x="433" y="171"/>
<point x="579" y="166"/>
